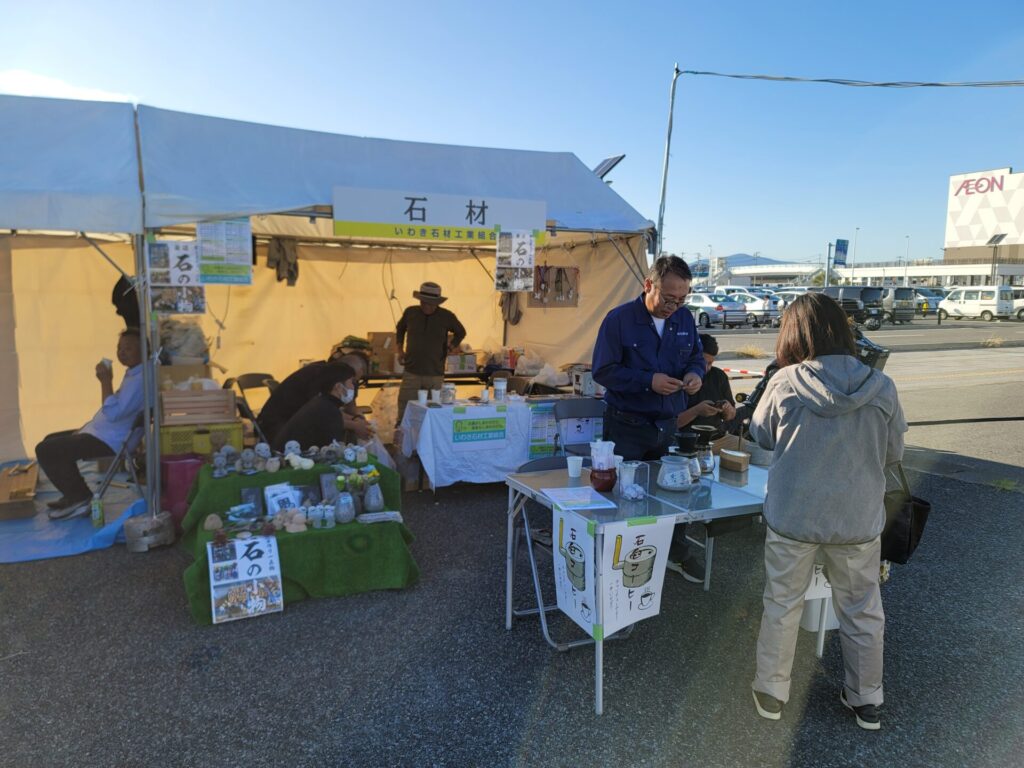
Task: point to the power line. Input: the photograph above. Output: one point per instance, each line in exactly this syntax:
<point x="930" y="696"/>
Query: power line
<point x="862" y="83"/>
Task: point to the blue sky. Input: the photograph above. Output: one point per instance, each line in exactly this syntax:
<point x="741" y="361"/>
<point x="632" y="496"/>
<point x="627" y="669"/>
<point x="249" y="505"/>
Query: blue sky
<point x="775" y="168"/>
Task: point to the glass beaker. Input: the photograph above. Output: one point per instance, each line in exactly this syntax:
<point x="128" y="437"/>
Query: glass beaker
<point x="706" y="458"/>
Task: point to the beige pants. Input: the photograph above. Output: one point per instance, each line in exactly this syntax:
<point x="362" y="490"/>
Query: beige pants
<point x="412" y="383"/>
<point x="852" y="569"/>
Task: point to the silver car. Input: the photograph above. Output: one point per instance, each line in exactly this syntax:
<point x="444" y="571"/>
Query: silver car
<point x="760" y="309"/>
<point x="716" y="309"/>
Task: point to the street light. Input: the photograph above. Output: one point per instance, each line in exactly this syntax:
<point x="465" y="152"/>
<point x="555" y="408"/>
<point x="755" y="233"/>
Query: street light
<point x="994" y="241"/>
<point x="906" y="261"/>
<point x="856" y="234"/>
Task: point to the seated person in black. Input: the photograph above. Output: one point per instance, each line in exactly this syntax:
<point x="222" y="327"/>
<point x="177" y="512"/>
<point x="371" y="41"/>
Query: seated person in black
<point x="714" y="404"/>
<point x="304" y="384"/>
<point x="320" y="420"/>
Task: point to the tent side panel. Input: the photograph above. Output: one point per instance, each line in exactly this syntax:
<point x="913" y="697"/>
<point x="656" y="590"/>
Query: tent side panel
<point x="563" y="335"/>
<point x="10" y="423"/>
<point x="64" y="325"/>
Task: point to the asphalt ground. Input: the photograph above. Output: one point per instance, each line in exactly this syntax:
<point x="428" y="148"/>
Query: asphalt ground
<point x="100" y="664"/>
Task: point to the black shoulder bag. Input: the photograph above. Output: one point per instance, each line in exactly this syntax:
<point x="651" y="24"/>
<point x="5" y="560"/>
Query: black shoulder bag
<point x="905" y="518"/>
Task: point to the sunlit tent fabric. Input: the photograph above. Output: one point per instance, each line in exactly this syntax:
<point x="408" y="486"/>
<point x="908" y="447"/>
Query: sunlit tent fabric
<point x="56" y="290"/>
<point x="68" y="165"/>
<point x="200" y="167"/>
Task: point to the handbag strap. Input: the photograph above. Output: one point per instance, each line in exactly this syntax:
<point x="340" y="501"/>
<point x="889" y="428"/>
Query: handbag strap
<point x="900" y="475"/>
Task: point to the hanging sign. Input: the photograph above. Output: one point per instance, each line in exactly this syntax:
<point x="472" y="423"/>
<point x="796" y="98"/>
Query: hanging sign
<point x="225" y="252"/>
<point x="245" y="578"/>
<point x="633" y="570"/>
<point x="839" y="259"/>
<point x="418" y="215"/>
<point x="574" y="568"/>
<point x="515" y="260"/>
<point x="174" y="284"/>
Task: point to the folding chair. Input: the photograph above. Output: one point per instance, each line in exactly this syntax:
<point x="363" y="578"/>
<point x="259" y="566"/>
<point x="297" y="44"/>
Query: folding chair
<point x="125" y="456"/>
<point x="575" y="408"/>
<point x="251" y="381"/>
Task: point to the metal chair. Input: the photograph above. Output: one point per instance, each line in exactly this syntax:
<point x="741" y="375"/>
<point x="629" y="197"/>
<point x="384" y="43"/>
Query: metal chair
<point x="125" y="457"/>
<point x="251" y="381"/>
<point x="575" y="408"/>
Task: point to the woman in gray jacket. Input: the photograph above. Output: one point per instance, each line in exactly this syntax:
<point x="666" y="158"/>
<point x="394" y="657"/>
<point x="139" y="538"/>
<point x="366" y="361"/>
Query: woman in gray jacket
<point x="834" y="425"/>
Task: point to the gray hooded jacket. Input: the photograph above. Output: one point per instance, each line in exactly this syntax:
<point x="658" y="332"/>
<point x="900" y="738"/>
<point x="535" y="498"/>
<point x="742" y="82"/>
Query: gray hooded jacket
<point x="834" y="424"/>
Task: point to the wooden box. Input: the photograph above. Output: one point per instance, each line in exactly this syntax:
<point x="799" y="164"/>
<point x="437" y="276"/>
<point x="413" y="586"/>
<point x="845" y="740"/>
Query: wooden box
<point x="18" y="490"/>
<point x="208" y="406"/>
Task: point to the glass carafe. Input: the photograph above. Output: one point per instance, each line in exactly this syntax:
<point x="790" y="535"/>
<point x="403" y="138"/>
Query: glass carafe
<point x="706" y="459"/>
<point x="674" y="474"/>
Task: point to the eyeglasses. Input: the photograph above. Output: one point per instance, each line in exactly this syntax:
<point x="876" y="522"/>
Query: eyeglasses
<point x="671" y="301"/>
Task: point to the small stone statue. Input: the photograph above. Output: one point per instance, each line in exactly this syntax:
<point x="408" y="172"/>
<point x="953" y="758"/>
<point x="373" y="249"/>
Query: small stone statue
<point x="263" y="453"/>
<point x="247" y="462"/>
<point x="220" y="466"/>
<point x="291" y="448"/>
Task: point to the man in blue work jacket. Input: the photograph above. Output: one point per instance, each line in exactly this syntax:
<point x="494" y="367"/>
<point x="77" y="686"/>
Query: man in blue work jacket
<point x="648" y="357"/>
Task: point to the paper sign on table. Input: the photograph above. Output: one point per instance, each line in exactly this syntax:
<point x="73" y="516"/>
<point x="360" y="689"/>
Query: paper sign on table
<point x="245" y="578"/>
<point x="573" y="558"/>
<point x="633" y="570"/>
<point x="581" y="497"/>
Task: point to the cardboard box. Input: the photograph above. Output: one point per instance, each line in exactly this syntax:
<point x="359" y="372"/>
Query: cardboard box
<point x="461" y="363"/>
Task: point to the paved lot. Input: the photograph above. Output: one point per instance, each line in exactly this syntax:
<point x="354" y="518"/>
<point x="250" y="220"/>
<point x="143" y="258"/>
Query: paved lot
<point x="100" y="664"/>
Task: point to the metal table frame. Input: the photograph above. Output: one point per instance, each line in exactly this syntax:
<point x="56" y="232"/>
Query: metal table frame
<point x="745" y="498"/>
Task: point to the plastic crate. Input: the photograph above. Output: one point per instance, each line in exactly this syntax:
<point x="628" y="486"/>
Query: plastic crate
<point x="196" y="438"/>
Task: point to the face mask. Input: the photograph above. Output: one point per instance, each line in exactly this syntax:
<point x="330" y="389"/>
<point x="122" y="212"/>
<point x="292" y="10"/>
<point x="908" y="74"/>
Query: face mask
<point x="347" y="395"/>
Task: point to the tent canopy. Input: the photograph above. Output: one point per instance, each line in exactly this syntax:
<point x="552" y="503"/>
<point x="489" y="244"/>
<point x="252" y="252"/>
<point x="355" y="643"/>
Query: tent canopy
<point x="68" y="165"/>
<point x="200" y="168"/>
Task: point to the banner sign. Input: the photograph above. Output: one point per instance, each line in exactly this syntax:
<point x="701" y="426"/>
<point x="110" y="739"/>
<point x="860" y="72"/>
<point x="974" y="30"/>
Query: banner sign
<point x="633" y="570"/>
<point x="515" y="261"/>
<point x="245" y="578"/>
<point x="174" y="284"/>
<point x="839" y="260"/>
<point x="984" y="204"/>
<point x="432" y="216"/>
<point x="225" y="252"/>
<point x="574" y="568"/>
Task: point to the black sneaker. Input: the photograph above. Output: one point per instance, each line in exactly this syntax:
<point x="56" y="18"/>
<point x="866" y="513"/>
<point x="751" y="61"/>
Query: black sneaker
<point x="867" y="714"/>
<point x="690" y="568"/>
<point x="541" y="536"/>
<point x="768" y="707"/>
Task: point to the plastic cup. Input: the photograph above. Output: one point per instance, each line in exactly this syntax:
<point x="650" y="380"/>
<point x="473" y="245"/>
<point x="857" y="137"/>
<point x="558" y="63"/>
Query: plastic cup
<point x="435" y="395"/>
<point x="422" y="396"/>
<point x="575" y="465"/>
<point x="485" y="395"/>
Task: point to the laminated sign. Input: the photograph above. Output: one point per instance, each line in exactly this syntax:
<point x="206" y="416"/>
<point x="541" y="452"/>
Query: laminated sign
<point x="245" y="578"/>
<point x="633" y="569"/>
<point x="573" y="559"/>
<point x="476" y="428"/>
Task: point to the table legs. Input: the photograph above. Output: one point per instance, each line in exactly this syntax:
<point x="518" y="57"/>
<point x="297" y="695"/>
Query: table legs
<point x="599" y="625"/>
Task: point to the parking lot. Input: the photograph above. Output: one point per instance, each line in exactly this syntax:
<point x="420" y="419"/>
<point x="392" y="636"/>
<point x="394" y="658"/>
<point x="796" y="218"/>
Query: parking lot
<point x="100" y="663"/>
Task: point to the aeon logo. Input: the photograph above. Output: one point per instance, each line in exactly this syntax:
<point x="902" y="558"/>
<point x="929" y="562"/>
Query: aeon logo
<point x="979" y="186"/>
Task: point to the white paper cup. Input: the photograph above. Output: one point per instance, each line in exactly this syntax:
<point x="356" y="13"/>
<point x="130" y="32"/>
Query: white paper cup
<point x="422" y="396"/>
<point x="575" y="465"/>
<point x="435" y="395"/>
<point x="108" y="362"/>
<point x="485" y="395"/>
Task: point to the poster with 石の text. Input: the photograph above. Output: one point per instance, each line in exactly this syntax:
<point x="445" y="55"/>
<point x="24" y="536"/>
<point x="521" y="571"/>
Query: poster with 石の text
<point x="573" y="558"/>
<point x="633" y="570"/>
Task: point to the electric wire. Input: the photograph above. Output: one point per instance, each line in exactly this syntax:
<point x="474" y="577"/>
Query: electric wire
<point x="861" y="83"/>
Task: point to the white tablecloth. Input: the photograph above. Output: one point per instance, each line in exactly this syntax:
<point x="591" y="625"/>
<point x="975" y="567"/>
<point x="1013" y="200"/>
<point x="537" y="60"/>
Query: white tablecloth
<point x="466" y="442"/>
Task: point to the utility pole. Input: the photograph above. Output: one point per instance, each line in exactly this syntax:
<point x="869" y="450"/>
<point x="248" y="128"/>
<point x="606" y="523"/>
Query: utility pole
<point x="828" y="261"/>
<point x="853" y="269"/>
<point x="906" y="262"/>
<point x="664" y="167"/>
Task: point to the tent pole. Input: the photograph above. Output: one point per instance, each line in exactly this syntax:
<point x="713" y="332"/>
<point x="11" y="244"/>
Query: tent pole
<point x="629" y="266"/>
<point x="664" y="167"/>
<point x="103" y="253"/>
<point x="150" y="353"/>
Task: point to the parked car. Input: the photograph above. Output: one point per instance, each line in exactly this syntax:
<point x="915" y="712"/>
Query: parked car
<point x="759" y="309"/>
<point x="898" y="304"/>
<point x="715" y="309"/>
<point x="785" y="298"/>
<point x="985" y="301"/>
<point x="862" y="303"/>
<point x="1018" y="302"/>
<point x="927" y="299"/>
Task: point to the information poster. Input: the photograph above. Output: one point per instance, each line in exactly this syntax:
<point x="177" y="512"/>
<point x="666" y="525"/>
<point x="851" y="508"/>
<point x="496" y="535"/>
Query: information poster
<point x="633" y="570"/>
<point x="574" y="568"/>
<point x="174" y="285"/>
<point x="245" y="578"/>
<point x="225" y="252"/>
<point x="515" y="260"/>
<point x="475" y="428"/>
<point x="543" y="430"/>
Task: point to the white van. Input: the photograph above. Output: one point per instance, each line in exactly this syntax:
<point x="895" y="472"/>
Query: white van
<point x="1018" y="303"/>
<point x="984" y="301"/>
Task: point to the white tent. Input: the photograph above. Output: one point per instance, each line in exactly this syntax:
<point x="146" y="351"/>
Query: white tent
<point x="78" y="174"/>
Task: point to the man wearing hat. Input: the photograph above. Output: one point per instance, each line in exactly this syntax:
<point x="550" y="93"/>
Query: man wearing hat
<point x="425" y="335"/>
